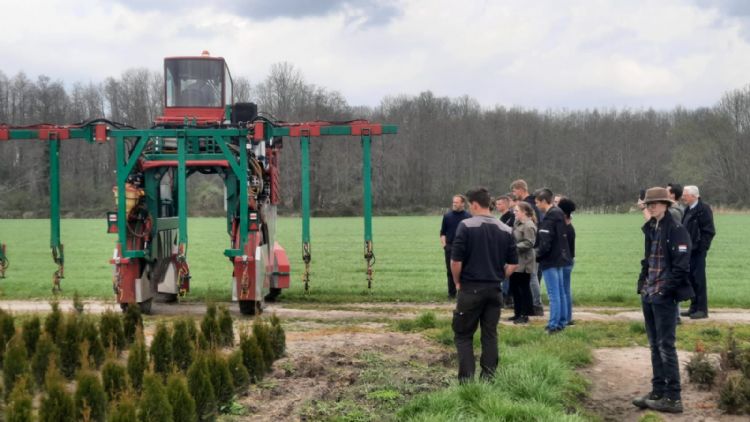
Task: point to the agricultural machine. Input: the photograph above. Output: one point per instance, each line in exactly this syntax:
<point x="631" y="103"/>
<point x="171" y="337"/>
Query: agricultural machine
<point x="202" y="130"/>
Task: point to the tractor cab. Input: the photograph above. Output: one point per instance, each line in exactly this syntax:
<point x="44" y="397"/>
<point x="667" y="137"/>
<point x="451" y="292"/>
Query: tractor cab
<point x="196" y="88"/>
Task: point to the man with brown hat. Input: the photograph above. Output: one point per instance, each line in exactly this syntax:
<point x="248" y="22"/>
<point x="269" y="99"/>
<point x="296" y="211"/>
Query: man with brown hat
<point x="663" y="283"/>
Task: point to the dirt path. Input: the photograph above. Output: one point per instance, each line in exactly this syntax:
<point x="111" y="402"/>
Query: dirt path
<point x="366" y="311"/>
<point x="620" y="374"/>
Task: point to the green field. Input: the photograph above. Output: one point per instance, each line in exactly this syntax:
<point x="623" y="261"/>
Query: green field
<point x="409" y="263"/>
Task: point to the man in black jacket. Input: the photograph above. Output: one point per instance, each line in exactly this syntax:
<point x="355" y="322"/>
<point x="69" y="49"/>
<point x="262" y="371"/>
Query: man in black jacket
<point x="663" y="282"/>
<point x="553" y="255"/>
<point x="448" y="232"/>
<point x="483" y="254"/>
<point x="699" y="222"/>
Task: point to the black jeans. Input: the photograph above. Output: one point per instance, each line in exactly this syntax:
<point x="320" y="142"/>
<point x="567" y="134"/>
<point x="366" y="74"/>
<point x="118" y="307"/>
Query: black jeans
<point x="451" y="284"/>
<point x="698" y="281"/>
<point x="520" y="288"/>
<point x="658" y="312"/>
<point x="477" y="304"/>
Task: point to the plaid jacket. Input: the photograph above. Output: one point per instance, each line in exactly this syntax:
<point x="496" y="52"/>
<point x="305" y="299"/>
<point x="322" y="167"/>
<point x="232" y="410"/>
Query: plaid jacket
<point x="675" y="242"/>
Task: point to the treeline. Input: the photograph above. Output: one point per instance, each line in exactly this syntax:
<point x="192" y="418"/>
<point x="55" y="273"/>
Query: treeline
<point x="601" y="158"/>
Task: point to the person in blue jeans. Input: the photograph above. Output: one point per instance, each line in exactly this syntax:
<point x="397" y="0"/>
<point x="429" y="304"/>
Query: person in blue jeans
<point x="568" y="206"/>
<point x="553" y="255"/>
<point x="663" y="282"/>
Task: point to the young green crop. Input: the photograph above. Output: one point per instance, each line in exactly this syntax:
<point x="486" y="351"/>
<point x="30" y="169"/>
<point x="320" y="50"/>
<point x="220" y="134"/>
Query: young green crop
<point x="409" y="267"/>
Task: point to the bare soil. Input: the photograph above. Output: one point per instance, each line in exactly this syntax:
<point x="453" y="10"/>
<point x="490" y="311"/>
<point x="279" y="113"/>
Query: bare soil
<point x="324" y="363"/>
<point x="619" y="375"/>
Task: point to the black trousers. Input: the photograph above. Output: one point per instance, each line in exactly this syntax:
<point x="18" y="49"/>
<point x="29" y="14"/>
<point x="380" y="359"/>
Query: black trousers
<point x="658" y="313"/>
<point x="477" y="304"/>
<point x="520" y="288"/>
<point x="698" y="281"/>
<point x="451" y="284"/>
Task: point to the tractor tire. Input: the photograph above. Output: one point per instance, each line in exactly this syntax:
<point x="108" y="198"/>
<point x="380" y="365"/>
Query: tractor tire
<point x="250" y="307"/>
<point x="166" y="297"/>
<point x="145" y="306"/>
<point x="272" y="295"/>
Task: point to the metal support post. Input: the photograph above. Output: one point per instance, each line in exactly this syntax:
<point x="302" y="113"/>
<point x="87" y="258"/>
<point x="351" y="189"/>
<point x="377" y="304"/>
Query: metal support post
<point x="54" y="192"/>
<point x="4" y="262"/>
<point x="182" y="189"/>
<point x="243" y="199"/>
<point x="305" y="170"/>
<point x="367" y="203"/>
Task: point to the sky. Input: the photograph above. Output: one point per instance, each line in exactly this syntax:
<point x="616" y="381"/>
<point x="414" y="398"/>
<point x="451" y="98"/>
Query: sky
<point x="572" y="54"/>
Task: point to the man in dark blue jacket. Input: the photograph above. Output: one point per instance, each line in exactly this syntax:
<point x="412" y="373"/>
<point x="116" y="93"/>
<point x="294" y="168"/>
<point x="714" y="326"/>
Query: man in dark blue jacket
<point x="483" y="254"/>
<point x="448" y="232"/>
<point x="699" y="223"/>
<point x="663" y="283"/>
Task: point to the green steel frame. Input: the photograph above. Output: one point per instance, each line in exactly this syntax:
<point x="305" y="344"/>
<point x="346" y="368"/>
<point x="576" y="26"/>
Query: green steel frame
<point x="188" y="146"/>
<point x="187" y="149"/>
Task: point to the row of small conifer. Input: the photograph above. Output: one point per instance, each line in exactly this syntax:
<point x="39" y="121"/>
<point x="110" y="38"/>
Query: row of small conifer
<point x="185" y="374"/>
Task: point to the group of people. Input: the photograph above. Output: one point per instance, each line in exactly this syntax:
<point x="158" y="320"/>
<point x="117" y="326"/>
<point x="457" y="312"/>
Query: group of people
<point x="533" y="239"/>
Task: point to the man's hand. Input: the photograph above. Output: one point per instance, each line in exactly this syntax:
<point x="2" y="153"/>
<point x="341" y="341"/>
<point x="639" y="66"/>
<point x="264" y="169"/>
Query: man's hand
<point x="510" y="269"/>
<point x="456" y="267"/>
<point x="442" y="241"/>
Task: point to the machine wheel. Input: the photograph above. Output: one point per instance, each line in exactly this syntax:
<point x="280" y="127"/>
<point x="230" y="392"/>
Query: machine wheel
<point x="145" y="306"/>
<point x="166" y="297"/>
<point x="273" y="294"/>
<point x="250" y="307"/>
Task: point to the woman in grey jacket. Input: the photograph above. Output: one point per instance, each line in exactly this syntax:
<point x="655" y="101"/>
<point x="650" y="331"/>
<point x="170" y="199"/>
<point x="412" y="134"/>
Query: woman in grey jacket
<point x="524" y="230"/>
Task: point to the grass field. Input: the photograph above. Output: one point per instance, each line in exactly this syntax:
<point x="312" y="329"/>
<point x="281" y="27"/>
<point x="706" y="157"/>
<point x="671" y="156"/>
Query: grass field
<point x="409" y="263"/>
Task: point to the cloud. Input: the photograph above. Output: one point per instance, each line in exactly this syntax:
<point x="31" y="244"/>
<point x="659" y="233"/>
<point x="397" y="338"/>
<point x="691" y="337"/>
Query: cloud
<point x="363" y="12"/>
<point x="573" y="54"/>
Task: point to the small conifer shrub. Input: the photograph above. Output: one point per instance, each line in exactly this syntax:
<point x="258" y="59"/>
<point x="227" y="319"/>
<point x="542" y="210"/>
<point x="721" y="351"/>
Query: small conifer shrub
<point x="199" y="384"/>
<point x="7" y="331"/>
<point x="32" y="329"/>
<point x="240" y="376"/>
<point x="70" y="347"/>
<point x="132" y="321"/>
<point x="210" y="326"/>
<point x="161" y="350"/>
<point x="90" y="334"/>
<point x="20" y="406"/>
<point x="262" y="335"/>
<point x="53" y="322"/>
<point x="124" y="410"/>
<point x="154" y="404"/>
<point x="226" y="327"/>
<point x="178" y="393"/>
<point x="56" y="404"/>
<point x="46" y="350"/>
<point x="137" y="363"/>
<point x="182" y="345"/>
<point x="15" y="364"/>
<point x="90" y="398"/>
<point x="78" y="303"/>
<point x="114" y="379"/>
<point x="278" y="337"/>
<point x="252" y="357"/>
<point x="221" y="379"/>
<point x="111" y="331"/>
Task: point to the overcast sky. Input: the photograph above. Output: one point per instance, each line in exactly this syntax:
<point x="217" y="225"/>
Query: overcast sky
<point x="570" y="54"/>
